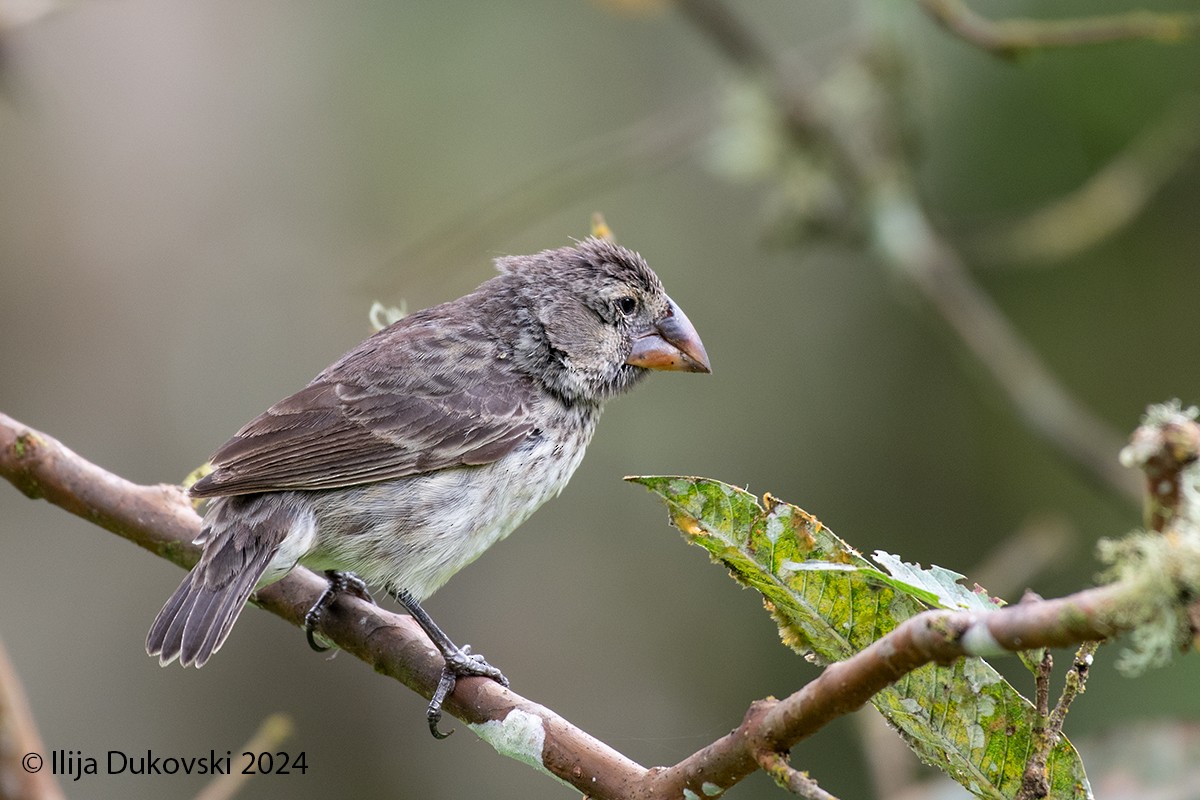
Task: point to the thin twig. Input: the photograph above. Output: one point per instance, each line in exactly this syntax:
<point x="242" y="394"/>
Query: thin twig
<point x="791" y="779"/>
<point x="1041" y="690"/>
<point x="1047" y="731"/>
<point x="1039" y="543"/>
<point x="1013" y="37"/>
<point x="1076" y="683"/>
<point x="1035" y="784"/>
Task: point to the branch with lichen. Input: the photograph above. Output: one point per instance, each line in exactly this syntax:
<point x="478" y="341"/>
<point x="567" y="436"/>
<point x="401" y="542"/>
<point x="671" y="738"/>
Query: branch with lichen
<point x="160" y="519"/>
<point x="1011" y="38"/>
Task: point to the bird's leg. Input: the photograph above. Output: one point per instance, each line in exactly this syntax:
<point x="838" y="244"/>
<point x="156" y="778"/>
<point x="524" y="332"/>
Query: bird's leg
<point x="339" y="582"/>
<point x="460" y="662"/>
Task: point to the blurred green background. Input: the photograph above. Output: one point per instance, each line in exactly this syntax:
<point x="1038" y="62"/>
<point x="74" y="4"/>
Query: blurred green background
<point x="200" y="201"/>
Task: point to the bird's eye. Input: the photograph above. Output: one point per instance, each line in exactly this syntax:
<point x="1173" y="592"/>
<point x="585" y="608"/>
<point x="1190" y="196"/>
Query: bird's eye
<point x="627" y="305"/>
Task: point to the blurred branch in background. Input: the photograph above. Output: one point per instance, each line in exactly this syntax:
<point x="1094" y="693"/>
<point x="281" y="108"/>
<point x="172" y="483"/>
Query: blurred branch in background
<point x="1014" y="37"/>
<point x="1109" y="200"/>
<point x="20" y="778"/>
<point x="795" y="100"/>
<point x="863" y="137"/>
<point x="891" y="765"/>
<point x="1040" y="543"/>
<point x="15" y="13"/>
<point x="908" y="242"/>
<point x="270" y="734"/>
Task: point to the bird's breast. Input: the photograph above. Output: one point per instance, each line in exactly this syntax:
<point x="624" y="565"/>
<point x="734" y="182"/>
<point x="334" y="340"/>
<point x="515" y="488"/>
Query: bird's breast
<point x="414" y="533"/>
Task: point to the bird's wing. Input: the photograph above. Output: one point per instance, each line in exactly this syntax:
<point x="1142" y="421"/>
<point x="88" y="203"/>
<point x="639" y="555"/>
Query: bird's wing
<point x="429" y="407"/>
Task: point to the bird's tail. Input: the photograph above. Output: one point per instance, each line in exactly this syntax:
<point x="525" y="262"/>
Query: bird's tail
<point x="238" y="548"/>
<point x="197" y="619"/>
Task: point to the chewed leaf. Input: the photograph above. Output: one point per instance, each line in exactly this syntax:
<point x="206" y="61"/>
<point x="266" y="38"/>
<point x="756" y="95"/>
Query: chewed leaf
<point x="940" y="583"/>
<point x="830" y="603"/>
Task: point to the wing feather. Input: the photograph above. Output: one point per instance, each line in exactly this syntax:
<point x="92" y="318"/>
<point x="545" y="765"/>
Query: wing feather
<point x="413" y="398"/>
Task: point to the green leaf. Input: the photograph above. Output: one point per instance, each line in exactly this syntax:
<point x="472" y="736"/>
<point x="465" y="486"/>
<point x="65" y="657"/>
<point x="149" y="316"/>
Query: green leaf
<point x="830" y="603"/>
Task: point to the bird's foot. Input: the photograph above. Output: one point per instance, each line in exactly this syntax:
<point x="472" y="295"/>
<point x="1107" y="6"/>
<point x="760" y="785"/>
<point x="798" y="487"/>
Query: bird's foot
<point x="339" y="583"/>
<point x="460" y="663"/>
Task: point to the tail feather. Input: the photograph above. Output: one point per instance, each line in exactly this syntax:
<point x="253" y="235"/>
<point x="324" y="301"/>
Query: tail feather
<point x="159" y="642"/>
<point x="241" y="537"/>
<point x="219" y="618"/>
<point x="197" y="619"/>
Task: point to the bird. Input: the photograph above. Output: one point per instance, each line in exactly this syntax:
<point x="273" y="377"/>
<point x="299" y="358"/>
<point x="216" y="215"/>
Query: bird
<point x="430" y="441"/>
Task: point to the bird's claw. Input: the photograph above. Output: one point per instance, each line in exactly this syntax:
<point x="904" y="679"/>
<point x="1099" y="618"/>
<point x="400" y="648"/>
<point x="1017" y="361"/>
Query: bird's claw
<point x="339" y="583"/>
<point x="459" y="664"/>
<point x="312" y="619"/>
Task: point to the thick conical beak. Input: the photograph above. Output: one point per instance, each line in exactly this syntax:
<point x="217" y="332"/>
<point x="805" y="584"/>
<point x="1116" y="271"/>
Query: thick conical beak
<point x="672" y="344"/>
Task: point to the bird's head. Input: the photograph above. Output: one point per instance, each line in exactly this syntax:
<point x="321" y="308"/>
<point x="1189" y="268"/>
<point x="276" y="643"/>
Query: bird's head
<point x="596" y="319"/>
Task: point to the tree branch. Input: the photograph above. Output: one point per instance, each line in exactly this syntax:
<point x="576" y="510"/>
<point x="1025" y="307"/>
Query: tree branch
<point x="160" y="519"/>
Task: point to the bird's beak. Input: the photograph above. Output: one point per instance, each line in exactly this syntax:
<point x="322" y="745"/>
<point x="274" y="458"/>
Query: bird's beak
<point x="672" y="344"/>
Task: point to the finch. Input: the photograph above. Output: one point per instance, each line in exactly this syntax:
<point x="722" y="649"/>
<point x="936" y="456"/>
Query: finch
<point x="426" y="444"/>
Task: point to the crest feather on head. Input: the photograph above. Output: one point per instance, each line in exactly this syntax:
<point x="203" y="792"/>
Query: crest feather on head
<point x="590" y="256"/>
